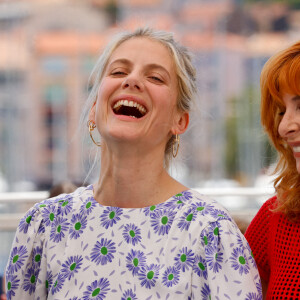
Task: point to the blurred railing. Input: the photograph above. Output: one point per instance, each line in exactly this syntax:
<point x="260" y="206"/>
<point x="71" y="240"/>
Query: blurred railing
<point x="13" y="206"/>
<point x="242" y="202"/>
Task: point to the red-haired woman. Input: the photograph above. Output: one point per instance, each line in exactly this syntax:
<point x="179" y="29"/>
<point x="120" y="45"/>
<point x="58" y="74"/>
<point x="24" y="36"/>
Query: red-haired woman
<point x="274" y="234"/>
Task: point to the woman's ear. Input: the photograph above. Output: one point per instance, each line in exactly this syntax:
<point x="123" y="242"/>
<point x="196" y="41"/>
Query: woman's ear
<point x="93" y="113"/>
<point x="181" y="123"/>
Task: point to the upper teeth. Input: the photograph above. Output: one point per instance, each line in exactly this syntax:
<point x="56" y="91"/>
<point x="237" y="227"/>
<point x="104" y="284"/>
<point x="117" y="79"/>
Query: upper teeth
<point x="141" y="108"/>
<point x="296" y="149"/>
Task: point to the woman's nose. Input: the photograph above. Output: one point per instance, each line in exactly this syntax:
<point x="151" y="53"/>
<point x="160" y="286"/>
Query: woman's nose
<point x="288" y="125"/>
<point x="132" y="81"/>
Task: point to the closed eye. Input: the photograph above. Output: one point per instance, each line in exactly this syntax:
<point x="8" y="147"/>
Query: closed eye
<point x="118" y="73"/>
<point x="156" y="79"/>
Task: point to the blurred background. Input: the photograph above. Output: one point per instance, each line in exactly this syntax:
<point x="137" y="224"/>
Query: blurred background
<point x="49" y="47"/>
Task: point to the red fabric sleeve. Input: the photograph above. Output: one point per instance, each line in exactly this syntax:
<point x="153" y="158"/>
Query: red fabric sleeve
<point x="258" y="237"/>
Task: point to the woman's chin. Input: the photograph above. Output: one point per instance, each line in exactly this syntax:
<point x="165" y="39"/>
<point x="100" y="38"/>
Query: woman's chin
<point x="122" y="136"/>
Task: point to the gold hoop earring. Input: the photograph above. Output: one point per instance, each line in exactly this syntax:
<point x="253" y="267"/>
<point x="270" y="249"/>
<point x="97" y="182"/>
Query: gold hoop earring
<point x="175" y="146"/>
<point x="91" y="125"/>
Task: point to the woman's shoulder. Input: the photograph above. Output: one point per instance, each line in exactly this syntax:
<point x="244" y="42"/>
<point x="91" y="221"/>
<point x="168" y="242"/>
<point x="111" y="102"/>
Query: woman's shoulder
<point x="77" y="196"/>
<point x="50" y="212"/>
<point x="189" y="207"/>
<point x="270" y="203"/>
<point x="263" y="221"/>
<point x="61" y="205"/>
<point x="214" y="209"/>
<point x="266" y="210"/>
<point x="214" y="223"/>
<point x="202" y="207"/>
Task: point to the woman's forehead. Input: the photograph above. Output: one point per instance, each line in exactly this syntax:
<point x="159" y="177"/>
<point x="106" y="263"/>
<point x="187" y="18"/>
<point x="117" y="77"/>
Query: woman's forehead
<point x="152" y="51"/>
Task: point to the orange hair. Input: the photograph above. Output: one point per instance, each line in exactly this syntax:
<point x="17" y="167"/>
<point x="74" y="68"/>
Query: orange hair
<point x="281" y="74"/>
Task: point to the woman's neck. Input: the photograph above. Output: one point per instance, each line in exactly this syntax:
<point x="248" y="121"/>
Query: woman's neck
<point x="132" y="180"/>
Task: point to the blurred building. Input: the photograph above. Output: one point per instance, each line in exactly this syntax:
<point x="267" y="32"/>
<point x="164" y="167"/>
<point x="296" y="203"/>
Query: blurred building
<point x="62" y="65"/>
<point x="47" y="51"/>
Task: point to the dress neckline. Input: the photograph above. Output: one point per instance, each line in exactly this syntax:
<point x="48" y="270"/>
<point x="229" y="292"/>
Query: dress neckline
<point x="90" y="190"/>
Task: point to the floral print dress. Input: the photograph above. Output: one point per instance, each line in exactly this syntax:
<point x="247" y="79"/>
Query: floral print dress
<point x="188" y="247"/>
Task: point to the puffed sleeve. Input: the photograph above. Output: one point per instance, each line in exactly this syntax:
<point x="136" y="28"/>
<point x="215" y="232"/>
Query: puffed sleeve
<point x="26" y="267"/>
<point x="225" y="268"/>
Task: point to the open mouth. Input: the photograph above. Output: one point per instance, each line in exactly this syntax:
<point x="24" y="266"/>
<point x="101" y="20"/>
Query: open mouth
<point x="129" y="108"/>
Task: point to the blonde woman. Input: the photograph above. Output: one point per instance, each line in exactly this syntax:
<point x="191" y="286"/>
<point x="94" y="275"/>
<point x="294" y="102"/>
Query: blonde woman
<point x="136" y="233"/>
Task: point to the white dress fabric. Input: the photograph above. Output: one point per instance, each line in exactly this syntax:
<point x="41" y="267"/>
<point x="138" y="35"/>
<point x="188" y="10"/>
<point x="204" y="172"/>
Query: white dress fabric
<point x="188" y="247"/>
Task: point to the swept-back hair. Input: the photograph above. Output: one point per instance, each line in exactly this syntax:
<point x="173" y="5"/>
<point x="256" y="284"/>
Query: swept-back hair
<point x="185" y="71"/>
<point x="280" y="75"/>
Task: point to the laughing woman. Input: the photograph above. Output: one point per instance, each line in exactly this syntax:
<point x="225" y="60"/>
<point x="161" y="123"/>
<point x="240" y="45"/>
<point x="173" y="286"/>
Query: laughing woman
<point x="274" y="233"/>
<point x="136" y="233"/>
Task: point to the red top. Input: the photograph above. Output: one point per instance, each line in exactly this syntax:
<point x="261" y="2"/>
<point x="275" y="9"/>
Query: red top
<point x="275" y="243"/>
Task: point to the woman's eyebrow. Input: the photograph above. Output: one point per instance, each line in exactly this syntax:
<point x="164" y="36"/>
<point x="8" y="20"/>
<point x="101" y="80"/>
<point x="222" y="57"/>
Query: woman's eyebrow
<point x="123" y="61"/>
<point x="296" y="98"/>
<point x="127" y="62"/>
<point x="160" y="67"/>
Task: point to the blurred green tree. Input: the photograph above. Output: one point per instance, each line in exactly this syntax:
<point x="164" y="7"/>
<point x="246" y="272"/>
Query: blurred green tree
<point x="248" y="149"/>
